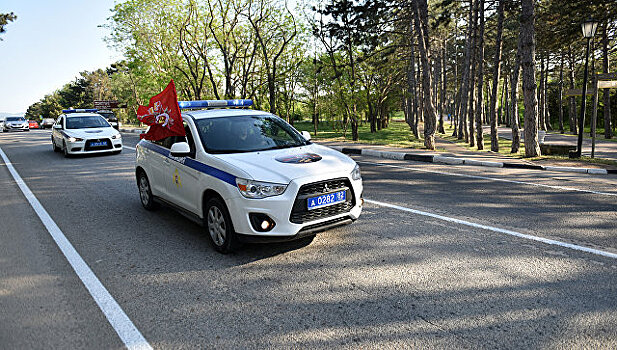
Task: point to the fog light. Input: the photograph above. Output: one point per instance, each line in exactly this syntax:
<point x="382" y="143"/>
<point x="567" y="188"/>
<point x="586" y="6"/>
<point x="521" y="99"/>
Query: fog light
<point x="261" y="222"/>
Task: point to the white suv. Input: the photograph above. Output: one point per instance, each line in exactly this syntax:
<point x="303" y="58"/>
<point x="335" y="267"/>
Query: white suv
<point x="249" y="176"/>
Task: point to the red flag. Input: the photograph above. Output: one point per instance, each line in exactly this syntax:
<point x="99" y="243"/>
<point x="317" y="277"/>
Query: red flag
<point x="162" y="114"/>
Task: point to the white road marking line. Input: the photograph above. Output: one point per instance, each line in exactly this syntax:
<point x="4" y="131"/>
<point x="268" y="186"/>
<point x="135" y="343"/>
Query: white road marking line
<point x="128" y="147"/>
<point x="129" y="334"/>
<point x="563" y="188"/>
<point x="496" y="229"/>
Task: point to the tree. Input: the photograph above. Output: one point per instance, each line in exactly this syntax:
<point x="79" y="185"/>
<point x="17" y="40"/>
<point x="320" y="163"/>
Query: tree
<point x="496" y="75"/>
<point x="528" y="64"/>
<point x="5" y="18"/>
<point x="430" y="118"/>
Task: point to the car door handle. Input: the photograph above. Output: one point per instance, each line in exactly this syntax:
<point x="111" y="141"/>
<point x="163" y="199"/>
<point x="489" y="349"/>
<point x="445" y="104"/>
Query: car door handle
<point x="166" y="160"/>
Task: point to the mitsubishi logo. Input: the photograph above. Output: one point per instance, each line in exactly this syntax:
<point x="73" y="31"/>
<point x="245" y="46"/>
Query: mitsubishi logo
<point x="326" y="188"/>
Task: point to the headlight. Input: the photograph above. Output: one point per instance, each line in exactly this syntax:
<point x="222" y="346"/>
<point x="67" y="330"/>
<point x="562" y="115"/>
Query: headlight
<point x="117" y="136"/>
<point x="258" y="189"/>
<point x="355" y="173"/>
<point x="74" y="139"/>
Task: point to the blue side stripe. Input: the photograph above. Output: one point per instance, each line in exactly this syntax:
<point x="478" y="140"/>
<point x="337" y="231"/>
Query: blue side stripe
<point x="191" y="163"/>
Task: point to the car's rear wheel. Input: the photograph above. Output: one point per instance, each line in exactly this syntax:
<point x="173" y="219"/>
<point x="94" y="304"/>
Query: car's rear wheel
<point x="219" y="226"/>
<point x="145" y="192"/>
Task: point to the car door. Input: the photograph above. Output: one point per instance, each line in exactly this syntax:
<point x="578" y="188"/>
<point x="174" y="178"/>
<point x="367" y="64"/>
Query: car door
<point x="182" y="177"/>
<point x="157" y="155"/>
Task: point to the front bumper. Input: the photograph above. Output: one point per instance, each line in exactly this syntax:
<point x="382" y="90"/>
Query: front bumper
<point x="280" y="209"/>
<point x="10" y="127"/>
<point x="81" y="147"/>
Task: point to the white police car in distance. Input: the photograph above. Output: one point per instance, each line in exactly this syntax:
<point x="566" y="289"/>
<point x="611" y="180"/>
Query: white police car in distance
<point x="247" y="175"/>
<point x="81" y="131"/>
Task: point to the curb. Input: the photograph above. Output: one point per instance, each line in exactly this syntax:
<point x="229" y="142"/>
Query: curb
<point x="435" y="158"/>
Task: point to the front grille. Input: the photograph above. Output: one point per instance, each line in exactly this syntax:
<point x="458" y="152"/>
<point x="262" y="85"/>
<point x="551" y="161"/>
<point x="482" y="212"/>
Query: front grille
<point x="89" y="146"/>
<point x="300" y="213"/>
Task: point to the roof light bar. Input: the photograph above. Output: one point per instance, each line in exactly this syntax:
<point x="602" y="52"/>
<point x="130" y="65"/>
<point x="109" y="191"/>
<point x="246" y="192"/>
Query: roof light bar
<point x="81" y="110"/>
<point x="215" y="104"/>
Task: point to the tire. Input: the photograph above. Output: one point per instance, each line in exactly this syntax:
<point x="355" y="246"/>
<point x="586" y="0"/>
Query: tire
<point x="219" y="226"/>
<point x="65" y="150"/>
<point x="53" y="144"/>
<point x="145" y="192"/>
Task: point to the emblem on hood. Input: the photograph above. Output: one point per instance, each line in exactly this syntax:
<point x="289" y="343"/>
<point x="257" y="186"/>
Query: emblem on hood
<point x="300" y="158"/>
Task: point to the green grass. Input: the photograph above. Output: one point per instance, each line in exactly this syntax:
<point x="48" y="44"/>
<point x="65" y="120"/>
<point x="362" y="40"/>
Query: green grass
<point x="397" y="134"/>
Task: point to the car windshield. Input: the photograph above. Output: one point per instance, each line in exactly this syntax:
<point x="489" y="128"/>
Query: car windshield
<point x="15" y="119"/>
<point x="247" y="134"/>
<point x="90" y="121"/>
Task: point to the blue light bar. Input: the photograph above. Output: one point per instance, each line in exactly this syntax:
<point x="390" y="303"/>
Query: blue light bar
<point x="215" y="104"/>
<point x="81" y="110"/>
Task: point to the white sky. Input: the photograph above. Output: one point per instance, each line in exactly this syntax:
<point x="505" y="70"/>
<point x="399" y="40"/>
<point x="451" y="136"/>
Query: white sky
<point x="48" y="45"/>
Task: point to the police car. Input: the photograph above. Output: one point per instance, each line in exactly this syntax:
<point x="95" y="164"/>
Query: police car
<point x="82" y="131"/>
<point x="248" y="176"/>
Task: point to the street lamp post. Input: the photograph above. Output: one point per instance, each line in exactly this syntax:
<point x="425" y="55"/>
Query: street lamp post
<point x="589" y="30"/>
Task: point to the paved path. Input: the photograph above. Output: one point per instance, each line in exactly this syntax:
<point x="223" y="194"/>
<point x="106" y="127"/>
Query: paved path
<point x="604" y="149"/>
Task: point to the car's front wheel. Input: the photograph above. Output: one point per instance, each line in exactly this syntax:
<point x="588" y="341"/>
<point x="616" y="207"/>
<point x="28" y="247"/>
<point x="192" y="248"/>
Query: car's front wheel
<point x="219" y="226"/>
<point x="53" y="145"/>
<point x="145" y="192"/>
<point x="65" y="149"/>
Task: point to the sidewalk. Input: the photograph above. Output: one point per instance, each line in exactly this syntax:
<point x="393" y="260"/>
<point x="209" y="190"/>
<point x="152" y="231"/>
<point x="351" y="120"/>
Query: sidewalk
<point x="604" y="149"/>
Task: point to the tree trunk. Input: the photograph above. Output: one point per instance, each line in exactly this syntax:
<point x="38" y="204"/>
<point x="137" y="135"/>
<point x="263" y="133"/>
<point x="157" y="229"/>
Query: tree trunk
<point x="464" y="91"/>
<point x="572" y="111"/>
<point x="443" y="89"/>
<point x="547" y="112"/>
<point x="528" y="64"/>
<point x="480" y="100"/>
<point x="430" y="119"/>
<point x="540" y="97"/>
<point x="516" y="136"/>
<point x="561" y="130"/>
<point x="413" y="84"/>
<point x="472" y="81"/>
<point x="496" y="72"/>
<point x="608" y="131"/>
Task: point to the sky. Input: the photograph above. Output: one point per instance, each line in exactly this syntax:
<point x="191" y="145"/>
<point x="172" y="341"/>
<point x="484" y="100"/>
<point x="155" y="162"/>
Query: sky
<point x="48" y="45"/>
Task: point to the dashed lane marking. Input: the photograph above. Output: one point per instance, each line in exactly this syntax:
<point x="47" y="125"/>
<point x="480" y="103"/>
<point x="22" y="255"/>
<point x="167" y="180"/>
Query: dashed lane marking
<point x="129" y="334"/>
<point x="496" y="229"/>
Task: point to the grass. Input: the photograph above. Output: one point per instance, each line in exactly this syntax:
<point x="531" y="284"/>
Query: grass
<point x="397" y="134"/>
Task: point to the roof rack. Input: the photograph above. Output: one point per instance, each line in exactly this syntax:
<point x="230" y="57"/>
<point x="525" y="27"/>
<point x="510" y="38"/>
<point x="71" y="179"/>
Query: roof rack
<point x="81" y="110"/>
<point x="205" y="104"/>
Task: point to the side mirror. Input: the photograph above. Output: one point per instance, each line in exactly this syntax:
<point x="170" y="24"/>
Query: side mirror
<point x="306" y="135"/>
<point x="180" y="149"/>
<point x="57" y="126"/>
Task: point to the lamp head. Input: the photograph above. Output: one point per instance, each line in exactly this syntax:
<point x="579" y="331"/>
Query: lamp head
<point x="589" y="28"/>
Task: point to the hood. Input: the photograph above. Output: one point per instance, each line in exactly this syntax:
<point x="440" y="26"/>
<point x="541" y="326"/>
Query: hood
<point x="91" y="133"/>
<point x="284" y="165"/>
<point x="14" y="122"/>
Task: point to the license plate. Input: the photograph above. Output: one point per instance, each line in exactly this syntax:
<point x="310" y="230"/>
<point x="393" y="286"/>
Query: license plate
<point x="326" y="199"/>
<point x="98" y="144"/>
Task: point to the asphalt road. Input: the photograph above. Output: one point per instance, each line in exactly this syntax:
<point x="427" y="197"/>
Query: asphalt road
<point x="394" y="279"/>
